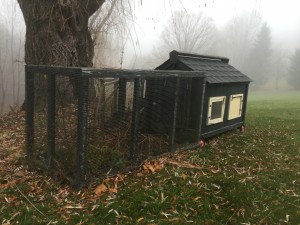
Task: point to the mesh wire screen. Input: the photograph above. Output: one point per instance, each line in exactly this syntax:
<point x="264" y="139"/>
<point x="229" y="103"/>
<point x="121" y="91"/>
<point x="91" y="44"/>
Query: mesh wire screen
<point x="113" y="110"/>
<point x="216" y="109"/>
<point x="66" y="108"/>
<point x="109" y="128"/>
<point x="127" y="118"/>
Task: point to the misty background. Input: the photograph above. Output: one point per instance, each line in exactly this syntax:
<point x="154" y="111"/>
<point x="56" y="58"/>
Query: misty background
<point x="261" y="39"/>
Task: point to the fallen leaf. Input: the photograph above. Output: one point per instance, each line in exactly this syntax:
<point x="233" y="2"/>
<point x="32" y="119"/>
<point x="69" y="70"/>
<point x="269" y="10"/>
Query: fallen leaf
<point x="140" y="219"/>
<point x="113" y="191"/>
<point x="100" y="189"/>
<point x="74" y="207"/>
<point x="139" y="175"/>
<point x="184" y="176"/>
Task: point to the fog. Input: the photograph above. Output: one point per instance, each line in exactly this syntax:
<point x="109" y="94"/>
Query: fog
<point x="12" y="39"/>
<point x="259" y="37"/>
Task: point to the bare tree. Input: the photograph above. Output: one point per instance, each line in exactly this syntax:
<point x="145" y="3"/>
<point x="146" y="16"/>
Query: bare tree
<point x="3" y="62"/>
<point x="279" y="69"/>
<point x="294" y="70"/>
<point x="238" y="37"/>
<point x="187" y="32"/>
<point x="259" y="58"/>
<point x="11" y="55"/>
<point x="111" y="27"/>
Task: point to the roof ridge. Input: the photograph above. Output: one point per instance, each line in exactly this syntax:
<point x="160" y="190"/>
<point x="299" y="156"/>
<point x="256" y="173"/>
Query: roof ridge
<point x="175" y="54"/>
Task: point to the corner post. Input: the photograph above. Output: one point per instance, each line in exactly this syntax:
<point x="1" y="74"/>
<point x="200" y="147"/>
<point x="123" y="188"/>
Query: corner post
<point x="202" y="108"/>
<point x="174" y="116"/>
<point x="29" y="114"/>
<point x="51" y="100"/>
<point x="135" y="118"/>
<point x="122" y="97"/>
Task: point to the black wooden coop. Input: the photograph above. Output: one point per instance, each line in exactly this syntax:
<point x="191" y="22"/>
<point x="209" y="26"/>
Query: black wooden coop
<point x="208" y="105"/>
<point x="115" y="115"/>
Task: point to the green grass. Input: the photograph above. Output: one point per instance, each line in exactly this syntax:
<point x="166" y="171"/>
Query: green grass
<point x="241" y="178"/>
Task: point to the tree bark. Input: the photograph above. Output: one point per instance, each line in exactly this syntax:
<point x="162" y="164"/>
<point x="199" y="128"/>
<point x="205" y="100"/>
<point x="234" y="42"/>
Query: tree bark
<point x="57" y="31"/>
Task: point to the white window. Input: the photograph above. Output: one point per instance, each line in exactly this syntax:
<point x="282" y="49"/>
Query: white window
<point x="216" y="108"/>
<point x="235" y="106"/>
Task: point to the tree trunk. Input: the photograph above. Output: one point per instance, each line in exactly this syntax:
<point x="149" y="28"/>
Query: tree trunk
<point x="57" y="34"/>
<point x="57" y="31"/>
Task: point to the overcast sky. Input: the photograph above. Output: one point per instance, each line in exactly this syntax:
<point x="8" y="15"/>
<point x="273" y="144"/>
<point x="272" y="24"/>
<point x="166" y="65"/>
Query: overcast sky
<point x="283" y="16"/>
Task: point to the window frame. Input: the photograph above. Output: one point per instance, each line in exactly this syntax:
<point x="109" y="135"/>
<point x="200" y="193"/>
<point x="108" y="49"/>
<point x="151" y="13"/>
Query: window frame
<point x="212" y="100"/>
<point x="230" y="116"/>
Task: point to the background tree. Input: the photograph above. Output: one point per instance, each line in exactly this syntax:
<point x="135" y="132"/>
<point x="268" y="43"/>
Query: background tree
<point x="12" y="40"/>
<point x="238" y="36"/>
<point x="3" y="62"/>
<point x="258" y="61"/>
<point x="294" y="71"/>
<point x="187" y="32"/>
<point x="279" y="69"/>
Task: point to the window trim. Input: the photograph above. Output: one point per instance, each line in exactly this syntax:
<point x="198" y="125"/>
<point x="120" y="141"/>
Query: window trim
<point x="230" y="117"/>
<point x="216" y="99"/>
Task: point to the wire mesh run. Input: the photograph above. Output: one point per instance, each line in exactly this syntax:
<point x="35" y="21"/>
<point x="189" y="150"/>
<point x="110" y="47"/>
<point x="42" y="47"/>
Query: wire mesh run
<point x="83" y="122"/>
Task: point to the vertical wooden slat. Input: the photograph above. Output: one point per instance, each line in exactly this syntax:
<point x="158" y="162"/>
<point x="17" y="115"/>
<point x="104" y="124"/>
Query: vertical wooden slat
<point x="82" y="130"/>
<point x="29" y="115"/>
<point x="135" y="118"/>
<point x="51" y="99"/>
<point x="174" y="116"/>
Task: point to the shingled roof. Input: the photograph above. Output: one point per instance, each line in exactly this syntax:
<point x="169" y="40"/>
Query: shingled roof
<point x="217" y="69"/>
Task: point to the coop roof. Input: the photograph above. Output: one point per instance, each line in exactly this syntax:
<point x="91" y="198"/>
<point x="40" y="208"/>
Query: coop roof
<point x="216" y="69"/>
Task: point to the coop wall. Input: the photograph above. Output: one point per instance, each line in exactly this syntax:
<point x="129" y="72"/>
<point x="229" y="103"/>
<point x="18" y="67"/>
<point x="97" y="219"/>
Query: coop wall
<point x="188" y="113"/>
<point x="223" y="90"/>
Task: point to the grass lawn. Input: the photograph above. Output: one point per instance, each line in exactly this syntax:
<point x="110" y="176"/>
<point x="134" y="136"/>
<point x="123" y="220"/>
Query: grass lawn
<point x="239" y="178"/>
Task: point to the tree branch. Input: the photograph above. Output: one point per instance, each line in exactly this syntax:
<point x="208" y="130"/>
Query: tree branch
<point x="91" y="6"/>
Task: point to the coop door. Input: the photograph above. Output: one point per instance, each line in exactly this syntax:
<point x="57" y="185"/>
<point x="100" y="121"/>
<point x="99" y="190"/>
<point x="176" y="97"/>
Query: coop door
<point x="235" y="106"/>
<point x="216" y="109"/>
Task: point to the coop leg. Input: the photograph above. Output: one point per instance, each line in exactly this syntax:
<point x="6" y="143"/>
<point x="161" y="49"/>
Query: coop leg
<point x="242" y="129"/>
<point x="202" y="143"/>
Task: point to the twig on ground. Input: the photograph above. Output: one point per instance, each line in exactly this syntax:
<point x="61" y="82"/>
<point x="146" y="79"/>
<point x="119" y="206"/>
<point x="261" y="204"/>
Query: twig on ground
<point x="29" y="201"/>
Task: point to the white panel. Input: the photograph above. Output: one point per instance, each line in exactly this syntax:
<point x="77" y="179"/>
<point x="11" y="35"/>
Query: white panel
<point x="235" y="106"/>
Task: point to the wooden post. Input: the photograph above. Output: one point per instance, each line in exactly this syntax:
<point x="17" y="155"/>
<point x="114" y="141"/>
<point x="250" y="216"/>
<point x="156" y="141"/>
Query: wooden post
<point x="122" y="97"/>
<point x="82" y="130"/>
<point x="29" y="106"/>
<point x="51" y="99"/>
<point x="174" y="116"/>
<point x="135" y="118"/>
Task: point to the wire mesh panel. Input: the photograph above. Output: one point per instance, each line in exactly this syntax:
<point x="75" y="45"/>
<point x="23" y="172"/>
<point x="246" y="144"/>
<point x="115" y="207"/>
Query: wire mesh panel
<point x="104" y="120"/>
<point x="189" y="111"/>
<point x="156" y="109"/>
<point x="109" y="124"/>
<point x="66" y="120"/>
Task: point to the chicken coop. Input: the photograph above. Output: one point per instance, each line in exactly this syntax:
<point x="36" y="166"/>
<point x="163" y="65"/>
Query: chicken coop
<point x="83" y="122"/>
<point x="207" y="105"/>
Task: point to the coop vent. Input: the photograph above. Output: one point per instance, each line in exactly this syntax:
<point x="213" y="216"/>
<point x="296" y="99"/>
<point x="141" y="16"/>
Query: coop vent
<point x="216" y="109"/>
<point x="235" y="106"/>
